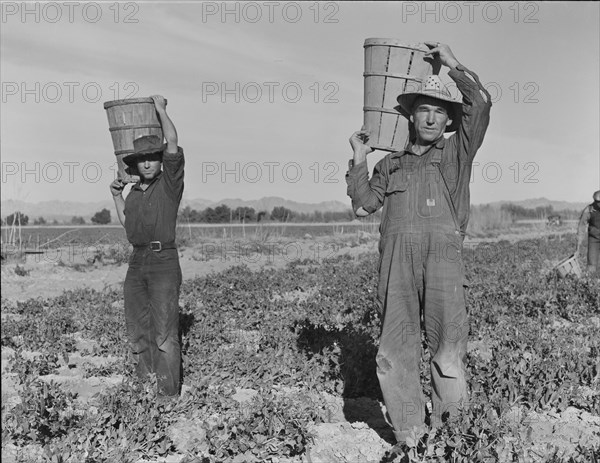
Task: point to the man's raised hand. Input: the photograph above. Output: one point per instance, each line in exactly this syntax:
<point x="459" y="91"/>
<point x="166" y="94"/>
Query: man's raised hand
<point x="159" y="101"/>
<point x="358" y="142"/>
<point x="116" y="187"/>
<point x="443" y="51"/>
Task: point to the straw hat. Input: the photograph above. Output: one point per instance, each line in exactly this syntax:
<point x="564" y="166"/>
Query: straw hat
<point x="433" y="87"/>
<point x="142" y="146"/>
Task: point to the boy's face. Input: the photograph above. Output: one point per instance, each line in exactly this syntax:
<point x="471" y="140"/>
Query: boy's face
<point x="148" y="166"/>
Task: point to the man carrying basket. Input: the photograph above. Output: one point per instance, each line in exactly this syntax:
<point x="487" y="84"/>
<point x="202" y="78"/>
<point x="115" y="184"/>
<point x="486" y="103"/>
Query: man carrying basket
<point x="590" y="219"/>
<point x="151" y="289"/>
<point x="424" y="191"/>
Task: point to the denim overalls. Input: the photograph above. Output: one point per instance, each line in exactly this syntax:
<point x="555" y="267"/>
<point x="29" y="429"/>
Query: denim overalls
<point x="421" y="283"/>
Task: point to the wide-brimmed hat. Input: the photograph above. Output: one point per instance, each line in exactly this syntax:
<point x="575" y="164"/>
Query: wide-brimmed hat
<point x="433" y="87"/>
<point x="147" y="144"/>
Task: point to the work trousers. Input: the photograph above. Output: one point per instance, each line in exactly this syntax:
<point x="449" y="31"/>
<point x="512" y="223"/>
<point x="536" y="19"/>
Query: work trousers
<point x="593" y="254"/>
<point x="424" y="289"/>
<point x="152" y="316"/>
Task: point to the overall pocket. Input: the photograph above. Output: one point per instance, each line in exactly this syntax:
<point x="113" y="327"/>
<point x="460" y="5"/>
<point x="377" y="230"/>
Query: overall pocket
<point x="429" y="198"/>
<point x="396" y="202"/>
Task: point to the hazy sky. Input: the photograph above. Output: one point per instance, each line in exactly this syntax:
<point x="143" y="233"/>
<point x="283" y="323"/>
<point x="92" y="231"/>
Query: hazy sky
<point x="265" y="95"/>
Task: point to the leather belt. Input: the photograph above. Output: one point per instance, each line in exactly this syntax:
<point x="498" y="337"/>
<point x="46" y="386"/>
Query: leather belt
<point x="156" y="246"/>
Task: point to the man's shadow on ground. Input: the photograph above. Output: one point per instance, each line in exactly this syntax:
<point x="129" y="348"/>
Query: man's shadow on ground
<point x="361" y="395"/>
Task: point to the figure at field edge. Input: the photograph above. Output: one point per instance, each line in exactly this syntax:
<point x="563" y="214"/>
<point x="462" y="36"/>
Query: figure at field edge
<point x="590" y="217"/>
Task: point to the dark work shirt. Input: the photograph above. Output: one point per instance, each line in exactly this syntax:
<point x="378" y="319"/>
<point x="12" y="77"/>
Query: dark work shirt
<point x="457" y="153"/>
<point x="151" y="215"/>
<point x="591" y="217"/>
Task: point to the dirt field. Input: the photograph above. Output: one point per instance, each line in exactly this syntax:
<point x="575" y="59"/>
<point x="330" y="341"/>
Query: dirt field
<point x="67" y="268"/>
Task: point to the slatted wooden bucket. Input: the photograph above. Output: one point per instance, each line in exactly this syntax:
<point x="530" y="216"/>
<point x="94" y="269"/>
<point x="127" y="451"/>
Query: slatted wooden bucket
<point x="391" y="68"/>
<point x="567" y="266"/>
<point x="127" y="120"/>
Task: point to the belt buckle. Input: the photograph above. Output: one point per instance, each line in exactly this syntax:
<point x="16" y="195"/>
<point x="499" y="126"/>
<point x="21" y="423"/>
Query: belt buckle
<point x="155" y="246"/>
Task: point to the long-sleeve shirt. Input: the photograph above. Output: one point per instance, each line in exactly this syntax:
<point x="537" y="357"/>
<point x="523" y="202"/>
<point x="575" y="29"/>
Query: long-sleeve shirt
<point x="151" y="214"/>
<point x="457" y="154"/>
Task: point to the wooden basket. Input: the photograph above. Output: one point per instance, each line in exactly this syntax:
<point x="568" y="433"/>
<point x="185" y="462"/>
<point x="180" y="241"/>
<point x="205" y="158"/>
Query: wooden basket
<point x="127" y="120"/>
<point x="391" y="68"/>
<point x="567" y="266"/>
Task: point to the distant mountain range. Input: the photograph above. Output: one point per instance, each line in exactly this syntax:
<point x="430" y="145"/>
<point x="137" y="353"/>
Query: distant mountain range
<point x="62" y="211"/>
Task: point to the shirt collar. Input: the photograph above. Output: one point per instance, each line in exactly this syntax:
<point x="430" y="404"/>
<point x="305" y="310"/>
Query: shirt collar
<point x="439" y="144"/>
<point x="138" y="186"/>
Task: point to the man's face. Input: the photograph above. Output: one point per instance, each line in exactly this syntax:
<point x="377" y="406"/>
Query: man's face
<point x="148" y="166"/>
<point x="430" y="118"/>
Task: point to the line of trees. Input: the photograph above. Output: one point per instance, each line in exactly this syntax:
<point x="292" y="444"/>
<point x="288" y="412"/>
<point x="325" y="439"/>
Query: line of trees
<point x="242" y="214"/>
<point x="219" y="214"/>
<point x="18" y="218"/>
<point x="540" y="212"/>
